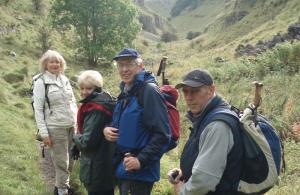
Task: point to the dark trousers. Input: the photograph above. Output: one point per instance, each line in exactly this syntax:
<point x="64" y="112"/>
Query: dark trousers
<point x="132" y="187"/>
<point x="103" y="192"/>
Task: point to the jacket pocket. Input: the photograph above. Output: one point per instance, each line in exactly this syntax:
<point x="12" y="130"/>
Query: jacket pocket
<point x="50" y="116"/>
<point x="54" y="94"/>
<point x="85" y="170"/>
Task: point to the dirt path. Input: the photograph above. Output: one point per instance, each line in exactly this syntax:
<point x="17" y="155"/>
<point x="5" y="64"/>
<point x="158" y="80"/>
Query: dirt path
<point x="46" y="167"/>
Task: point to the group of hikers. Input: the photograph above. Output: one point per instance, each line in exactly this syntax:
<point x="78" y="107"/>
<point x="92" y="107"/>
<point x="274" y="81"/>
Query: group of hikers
<point x="121" y="141"/>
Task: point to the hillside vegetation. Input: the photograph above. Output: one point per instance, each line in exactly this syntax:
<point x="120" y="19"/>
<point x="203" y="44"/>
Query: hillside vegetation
<point x="23" y="24"/>
<point x="225" y="21"/>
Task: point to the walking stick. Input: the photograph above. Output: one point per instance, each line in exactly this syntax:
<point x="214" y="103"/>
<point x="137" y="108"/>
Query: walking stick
<point x="162" y="70"/>
<point x="257" y="96"/>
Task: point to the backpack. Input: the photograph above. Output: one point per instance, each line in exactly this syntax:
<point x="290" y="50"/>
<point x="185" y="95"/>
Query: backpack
<point x="35" y="78"/>
<point x="263" y="157"/>
<point x="170" y="95"/>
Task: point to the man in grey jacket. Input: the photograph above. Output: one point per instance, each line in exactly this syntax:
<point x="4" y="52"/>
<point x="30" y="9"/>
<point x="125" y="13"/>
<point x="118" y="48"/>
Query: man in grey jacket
<point x="210" y="161"/>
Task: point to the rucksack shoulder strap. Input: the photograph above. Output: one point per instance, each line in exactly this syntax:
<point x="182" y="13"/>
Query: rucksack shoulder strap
<point x="140" y="91"/>
<point x="219" y="114"/>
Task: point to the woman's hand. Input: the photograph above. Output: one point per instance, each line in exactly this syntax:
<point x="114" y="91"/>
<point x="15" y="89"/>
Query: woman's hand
<point x="111" y="134"/>
<point x="47" y="141"/>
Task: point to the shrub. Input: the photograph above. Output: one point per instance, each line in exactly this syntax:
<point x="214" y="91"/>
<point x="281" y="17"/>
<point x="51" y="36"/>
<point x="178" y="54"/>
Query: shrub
<point x="22" y="91"/>
<point x="158" y="45"/>
<point x="191" y="35"/>
<point x="168" y="37"/>
<point x="38" y="5"/>
<point x="145" y="43"/>
<point x="13" y="77"/>
<point x="44" y="37"/>
<point x="284" y="59"/>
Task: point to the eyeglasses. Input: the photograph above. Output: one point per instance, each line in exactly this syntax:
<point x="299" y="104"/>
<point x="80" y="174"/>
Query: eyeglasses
<point x="126" y="65"/>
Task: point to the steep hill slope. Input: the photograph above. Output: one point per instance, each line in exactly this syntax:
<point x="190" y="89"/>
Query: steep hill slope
<point x="224" y="21"/>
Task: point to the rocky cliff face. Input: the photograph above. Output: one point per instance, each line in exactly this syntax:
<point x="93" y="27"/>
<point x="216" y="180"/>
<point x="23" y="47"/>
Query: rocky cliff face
<point x="151" y="22"/>
<point x="293" y="34"/>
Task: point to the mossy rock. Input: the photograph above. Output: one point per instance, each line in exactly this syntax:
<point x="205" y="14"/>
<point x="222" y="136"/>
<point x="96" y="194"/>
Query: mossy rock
<point x="13" y="77"/>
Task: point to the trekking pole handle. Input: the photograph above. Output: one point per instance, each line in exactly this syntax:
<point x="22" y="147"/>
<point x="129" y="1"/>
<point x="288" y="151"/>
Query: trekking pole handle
<point x="257" y="96"/>
<point x="162" y="68"/>
<point x="164" y="63"/>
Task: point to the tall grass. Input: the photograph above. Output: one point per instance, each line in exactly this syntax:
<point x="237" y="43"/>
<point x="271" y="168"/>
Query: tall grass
<point x="19" y="157"/>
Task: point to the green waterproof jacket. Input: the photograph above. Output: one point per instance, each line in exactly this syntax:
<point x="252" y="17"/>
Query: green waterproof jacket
<point x="96" y="167"/>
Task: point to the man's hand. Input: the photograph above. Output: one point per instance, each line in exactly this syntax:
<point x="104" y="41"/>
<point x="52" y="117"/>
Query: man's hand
<point x="47" y="141"/>
<point x="131" y="163"/>
<point x="174" y="176"/>
<point x="177" y="187"/>
<point x="111" y="134"/>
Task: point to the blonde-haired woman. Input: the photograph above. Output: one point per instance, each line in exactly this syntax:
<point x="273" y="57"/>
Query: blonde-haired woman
<point x="96" y="166"/>
<point x="55" y="114"/>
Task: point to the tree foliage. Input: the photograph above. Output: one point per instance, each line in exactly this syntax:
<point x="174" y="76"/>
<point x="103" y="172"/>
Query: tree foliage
<point x="103" y="26"/>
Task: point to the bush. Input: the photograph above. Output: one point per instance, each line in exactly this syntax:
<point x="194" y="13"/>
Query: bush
<point x="13" y="77"/>
<point x="191" y="35"/>
<point x="44" y="37"/>
<point x="145" y="43"/>
<point x="38" y="5"/>
<point x="22" y="91"/>
<point x="168" y="37"/>
<point x="284" y="58"/>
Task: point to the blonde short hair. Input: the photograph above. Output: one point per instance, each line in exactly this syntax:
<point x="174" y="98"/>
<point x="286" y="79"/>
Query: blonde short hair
<point x="50" y="55"/>
<point x="90" y="78"/>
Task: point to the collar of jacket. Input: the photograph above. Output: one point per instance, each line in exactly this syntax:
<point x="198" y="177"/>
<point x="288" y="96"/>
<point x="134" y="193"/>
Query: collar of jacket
<point x="92" y="95"/>
<point x="50" y="78"/>
<point x="215" y="101"/>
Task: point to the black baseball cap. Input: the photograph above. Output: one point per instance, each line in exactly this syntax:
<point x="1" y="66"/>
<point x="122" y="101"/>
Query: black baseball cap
<point x="127" y="52"/>
<point x="196" y="78"/>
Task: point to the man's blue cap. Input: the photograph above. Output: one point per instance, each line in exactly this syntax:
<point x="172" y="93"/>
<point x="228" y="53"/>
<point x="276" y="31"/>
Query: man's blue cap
<point x="127" y="52"/>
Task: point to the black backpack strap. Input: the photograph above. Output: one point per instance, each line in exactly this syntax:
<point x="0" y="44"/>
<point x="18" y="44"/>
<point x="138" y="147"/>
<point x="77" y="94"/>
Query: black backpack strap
<point x="139" y="93"/>
<point x="46" y="94"/>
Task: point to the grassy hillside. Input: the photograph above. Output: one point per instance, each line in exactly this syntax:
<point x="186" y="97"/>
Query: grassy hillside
<point x="197" y="19"/>
<point x="217" y="20"/>
<point x="20" y="49"/>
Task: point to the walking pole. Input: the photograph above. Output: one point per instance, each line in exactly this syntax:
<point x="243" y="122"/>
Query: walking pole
<point x="162" y="69"/>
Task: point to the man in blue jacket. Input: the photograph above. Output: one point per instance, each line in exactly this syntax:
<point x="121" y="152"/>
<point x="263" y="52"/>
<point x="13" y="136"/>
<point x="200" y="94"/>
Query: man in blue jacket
<point x="140" y="126"/>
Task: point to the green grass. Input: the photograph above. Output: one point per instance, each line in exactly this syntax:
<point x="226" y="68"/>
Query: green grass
<point x="19" y="166"/>
<point x="290" y="180"/>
